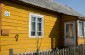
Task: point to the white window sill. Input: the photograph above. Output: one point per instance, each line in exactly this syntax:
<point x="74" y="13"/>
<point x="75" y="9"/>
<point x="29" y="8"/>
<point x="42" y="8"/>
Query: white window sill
<point x="36" y="37"/>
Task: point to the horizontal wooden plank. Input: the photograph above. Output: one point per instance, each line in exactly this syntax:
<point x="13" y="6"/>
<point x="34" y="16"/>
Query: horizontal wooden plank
<point x="24" y="46"/>
<point x="23" y="28"/>
<point x="15" y="23"/>
<point x="16" y="18"/>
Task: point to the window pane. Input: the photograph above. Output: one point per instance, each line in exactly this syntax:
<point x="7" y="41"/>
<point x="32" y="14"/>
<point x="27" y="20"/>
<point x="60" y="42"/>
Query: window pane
<point x="39" y="27"/>
<point x="32" y="33"/>
<point x="39" y="19"/>
<point x="33" y="26"/>
<point x="71" y="30"/>
<point x="67" y="30"/>
<point x="33" y="18"/>
<point x="80" y="29"/>
<point x="39" y="33"/>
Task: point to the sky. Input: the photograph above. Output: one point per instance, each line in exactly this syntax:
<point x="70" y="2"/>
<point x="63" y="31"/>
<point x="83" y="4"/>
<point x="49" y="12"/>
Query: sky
<point x="78" y="5"/>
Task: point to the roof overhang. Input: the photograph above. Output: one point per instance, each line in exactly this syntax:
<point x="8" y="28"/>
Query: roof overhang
<point x="20" y="2"/>
<point x="31" y="5"/>
<point x="81" y="18"/>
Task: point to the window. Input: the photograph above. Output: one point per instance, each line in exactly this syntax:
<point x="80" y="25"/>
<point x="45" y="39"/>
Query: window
<point x="81" y="28"/>
<point x="69" y="30"/>
<point x="36" y="26"/>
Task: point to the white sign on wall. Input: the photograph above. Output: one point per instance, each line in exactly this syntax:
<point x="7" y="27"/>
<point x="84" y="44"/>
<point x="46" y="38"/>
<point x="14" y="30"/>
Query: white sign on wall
<point x="7" y="13"/>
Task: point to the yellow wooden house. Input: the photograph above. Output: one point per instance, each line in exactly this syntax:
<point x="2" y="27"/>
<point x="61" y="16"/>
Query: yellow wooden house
<point x="26" y="25"/>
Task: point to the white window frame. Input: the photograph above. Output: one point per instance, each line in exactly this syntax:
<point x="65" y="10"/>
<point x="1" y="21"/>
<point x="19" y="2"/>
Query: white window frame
<point x="82" y="29"/>
<point x="42" y="27"/>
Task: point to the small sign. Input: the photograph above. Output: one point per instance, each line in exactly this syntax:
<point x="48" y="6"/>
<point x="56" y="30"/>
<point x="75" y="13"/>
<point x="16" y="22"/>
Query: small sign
<point x="7" y="13"/>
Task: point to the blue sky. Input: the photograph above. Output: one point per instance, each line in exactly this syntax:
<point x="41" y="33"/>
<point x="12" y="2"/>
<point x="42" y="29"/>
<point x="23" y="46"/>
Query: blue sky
<point x="78" y="5"/>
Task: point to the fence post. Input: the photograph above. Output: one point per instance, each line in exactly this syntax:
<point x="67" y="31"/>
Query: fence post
<point x="83" y="49"/>
<point x="10" y="51"/>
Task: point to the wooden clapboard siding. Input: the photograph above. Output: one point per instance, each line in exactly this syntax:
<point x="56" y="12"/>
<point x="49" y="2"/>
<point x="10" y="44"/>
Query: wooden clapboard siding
<point x="65" y="18"/>
<point x="0" y="22"/>
<point x="0" y="16"/>
<point x="81" y="40"/>
<point x="18" y="23"/>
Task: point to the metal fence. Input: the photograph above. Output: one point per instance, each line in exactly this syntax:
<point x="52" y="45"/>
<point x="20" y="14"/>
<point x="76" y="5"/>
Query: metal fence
<point x="79" y="50"/>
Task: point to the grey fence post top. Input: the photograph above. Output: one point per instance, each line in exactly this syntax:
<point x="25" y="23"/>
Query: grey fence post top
<point x="10" y="51"/>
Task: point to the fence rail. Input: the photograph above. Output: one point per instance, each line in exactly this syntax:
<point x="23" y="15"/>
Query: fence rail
<point x="80" y="50"/>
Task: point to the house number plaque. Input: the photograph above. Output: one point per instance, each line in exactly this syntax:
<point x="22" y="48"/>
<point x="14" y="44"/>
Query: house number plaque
<point x="7" y="13"/>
